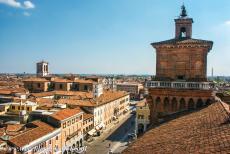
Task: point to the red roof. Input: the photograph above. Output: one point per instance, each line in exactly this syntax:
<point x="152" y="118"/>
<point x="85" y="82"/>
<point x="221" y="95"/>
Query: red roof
<point x="38" y="130"/>
<point x="203" y="131"/>
<point x="65" y="113"/>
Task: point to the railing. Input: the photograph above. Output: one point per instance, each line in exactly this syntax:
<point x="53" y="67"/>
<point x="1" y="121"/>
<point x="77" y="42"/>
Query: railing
<point x="76" y="133"/>
<point x="178" y="85"/>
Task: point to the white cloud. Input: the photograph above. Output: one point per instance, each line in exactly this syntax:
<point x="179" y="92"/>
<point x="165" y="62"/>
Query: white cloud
<point x="29" y="5"/>
<point x="227" y="22"/>
<point x="12" y="3"/>
<point x="27" y="14"/>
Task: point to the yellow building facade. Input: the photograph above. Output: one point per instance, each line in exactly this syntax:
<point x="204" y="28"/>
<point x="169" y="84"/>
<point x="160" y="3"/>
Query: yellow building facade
<point x="142" y="116"/>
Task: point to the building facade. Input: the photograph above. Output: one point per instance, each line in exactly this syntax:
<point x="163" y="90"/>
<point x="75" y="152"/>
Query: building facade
<point x="87" y="123"/>
<point x="132" y="88"/>
<point x="36" y="85"/>
<point x="106" y="108"/>
<point x="37" y="137"/>
<point x="142" y="116"/>
<point x="70" y="121"/>
<point x="181" y="82"/>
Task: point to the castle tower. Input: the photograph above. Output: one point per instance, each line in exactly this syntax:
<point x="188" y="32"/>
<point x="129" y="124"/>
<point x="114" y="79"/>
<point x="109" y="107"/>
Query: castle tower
<point x="181" y="82"/>
<point x="42" y="69"/>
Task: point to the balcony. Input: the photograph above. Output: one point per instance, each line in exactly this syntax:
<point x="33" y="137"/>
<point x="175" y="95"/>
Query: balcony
<point x="178" y="85"/>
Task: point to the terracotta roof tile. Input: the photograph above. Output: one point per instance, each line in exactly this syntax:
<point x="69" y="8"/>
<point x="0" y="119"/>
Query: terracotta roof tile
<point x="184" y="41"/>
<point x="9" y="91"/>
<point x="33" y="79"/>
<point x="43" y="94"/>
<point x="74" y="93"/>
<point x="77" y="102"/>
<point x="106" y="97"/>
<point x="66" y="113"/>
<point x="83" y="81"/>
<point x="204" y="131"/>
<point x="87" y="116"/>
<point x="14" y="128"/>
<point x="61" y="80"/>
<point x="38" y="130"/>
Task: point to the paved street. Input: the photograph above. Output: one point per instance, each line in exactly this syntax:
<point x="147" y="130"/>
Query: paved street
<point x="116" y="137"/>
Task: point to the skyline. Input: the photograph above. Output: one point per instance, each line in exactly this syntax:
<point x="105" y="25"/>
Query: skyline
<point x="107" y="37"/>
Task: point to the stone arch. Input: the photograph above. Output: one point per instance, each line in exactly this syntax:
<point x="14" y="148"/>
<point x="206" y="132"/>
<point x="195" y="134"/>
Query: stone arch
<point x="191" y="104"/>
<point x="183" y="32"/>
<point x="182" y="105"/>
<point x="199" y="103"/>
<point x="174" y="104"/>
<point x="166" y="104"/>
<point x="140" y="128"/>
<point x="158" y="103"/>
<point x="208" y="102"/>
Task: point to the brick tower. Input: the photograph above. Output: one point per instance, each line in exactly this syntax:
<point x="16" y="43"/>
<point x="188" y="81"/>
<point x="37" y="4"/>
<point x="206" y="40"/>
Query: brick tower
<point x="181" y="82"/>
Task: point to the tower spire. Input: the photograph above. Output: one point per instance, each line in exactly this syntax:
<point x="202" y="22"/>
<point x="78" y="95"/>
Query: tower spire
<point x="183" y="11"/>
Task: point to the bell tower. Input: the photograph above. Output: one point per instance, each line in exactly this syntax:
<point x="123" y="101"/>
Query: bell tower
<point x="42" y="69"/>
<point x="183" y="25"/>
<point x="181" y="81"/>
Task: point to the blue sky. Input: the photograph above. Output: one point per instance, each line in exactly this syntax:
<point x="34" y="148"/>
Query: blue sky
<point x="104" y="36"/>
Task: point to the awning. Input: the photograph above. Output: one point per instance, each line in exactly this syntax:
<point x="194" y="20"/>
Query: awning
<point x="91" y="132"/>
<point x="100" y="126"/>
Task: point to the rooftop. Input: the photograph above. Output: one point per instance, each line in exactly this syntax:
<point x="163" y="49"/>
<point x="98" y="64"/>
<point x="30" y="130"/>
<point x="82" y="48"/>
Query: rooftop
<point x="65" y="114"/>
<point x="83" y="81"/>
<point x="87" y="116"/>
<point x="36" y="131"/>
<point x="141" y="103"/>
<point x="75" y="93"/>
<point x="10" y="91"/>
<point x="203" y="131"/>
<point x="35" y="79"/>
<point x="183" y="41"/>
<point x="61" y="80"/>
<point x="43" y="94"/>
<point x="106" y="97"/>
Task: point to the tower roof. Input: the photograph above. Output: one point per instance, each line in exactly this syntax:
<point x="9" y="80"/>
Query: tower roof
<point x="186" y="42"/>
<point x="42" y="62"/>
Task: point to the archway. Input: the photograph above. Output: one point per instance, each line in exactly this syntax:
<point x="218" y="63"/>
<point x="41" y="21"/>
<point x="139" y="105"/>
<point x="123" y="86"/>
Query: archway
<point x="182" y="104"/>
<point x="208" y="102"/>
<point x="158" y="102"/>
<point x="166" y="104"/>
<point x="140" y="128"/>
<point x="191" y="104"/>
<point x="183" y="32"/>
<point x="199" y="103"/>
<point x="174" y="105"/>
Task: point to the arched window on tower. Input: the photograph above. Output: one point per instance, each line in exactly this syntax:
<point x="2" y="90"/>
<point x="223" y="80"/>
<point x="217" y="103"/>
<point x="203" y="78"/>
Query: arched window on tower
<point x="183" y="32"/>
